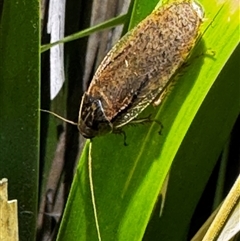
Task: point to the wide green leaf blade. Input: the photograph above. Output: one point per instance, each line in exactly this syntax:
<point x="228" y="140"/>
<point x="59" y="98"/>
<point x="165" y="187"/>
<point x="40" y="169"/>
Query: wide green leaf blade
<point x="19" y="114"/>
<point x="127" y="180"/>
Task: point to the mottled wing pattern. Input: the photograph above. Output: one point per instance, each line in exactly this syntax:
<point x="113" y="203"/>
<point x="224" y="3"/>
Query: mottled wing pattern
<point x="135" y="71"/>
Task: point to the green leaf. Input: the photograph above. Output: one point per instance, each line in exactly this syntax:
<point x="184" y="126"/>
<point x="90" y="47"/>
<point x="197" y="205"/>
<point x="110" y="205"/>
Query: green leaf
<point x="197" y="117"/>
<point x="107" y="24"/>
<point x="19" y="115"/>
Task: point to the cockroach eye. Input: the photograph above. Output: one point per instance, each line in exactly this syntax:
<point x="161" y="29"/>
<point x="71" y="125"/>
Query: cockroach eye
<point x="92" y="120"/>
